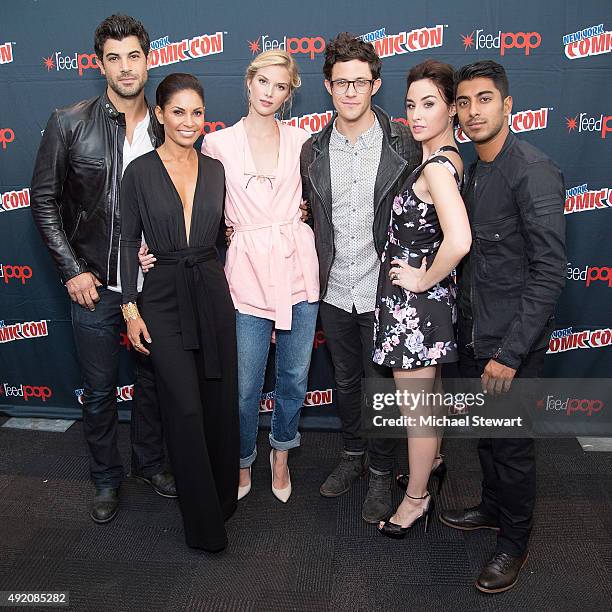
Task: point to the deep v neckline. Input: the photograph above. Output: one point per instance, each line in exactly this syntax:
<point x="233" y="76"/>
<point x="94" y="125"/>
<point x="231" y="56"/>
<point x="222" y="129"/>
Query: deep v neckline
<point x="249" y="166"/>
<point x="180" y="201"/>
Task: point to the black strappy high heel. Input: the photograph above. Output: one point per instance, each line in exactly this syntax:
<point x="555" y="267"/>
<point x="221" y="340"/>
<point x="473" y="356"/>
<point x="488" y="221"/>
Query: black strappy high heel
<point x="438" y="472"/>
<point x="392" y="530"/>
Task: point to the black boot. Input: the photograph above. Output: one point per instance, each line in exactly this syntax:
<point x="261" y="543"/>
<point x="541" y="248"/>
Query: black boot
<point x="378" y="505"/>
<point x="105" y="505"/>
<point x="162" y="482"/>
<point x="344" y="474"/>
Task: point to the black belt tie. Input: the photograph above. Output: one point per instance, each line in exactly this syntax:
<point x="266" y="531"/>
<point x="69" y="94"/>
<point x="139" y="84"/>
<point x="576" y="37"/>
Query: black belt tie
<point x="193" y="275"/>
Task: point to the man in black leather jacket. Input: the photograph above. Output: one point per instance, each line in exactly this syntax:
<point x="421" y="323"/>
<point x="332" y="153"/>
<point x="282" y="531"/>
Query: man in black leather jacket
<point x="508" y="287"/>
<point x="351" y="171"/>
<point x="75" y="203"/>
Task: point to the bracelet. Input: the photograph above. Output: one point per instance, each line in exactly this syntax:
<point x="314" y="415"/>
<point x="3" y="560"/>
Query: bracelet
<point x="130" y="311"/>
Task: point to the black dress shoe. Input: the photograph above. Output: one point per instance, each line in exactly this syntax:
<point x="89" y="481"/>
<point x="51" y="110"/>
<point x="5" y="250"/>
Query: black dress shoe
<point x="105" y="505"/>
<point x="500" y="573"/>
<point x="469" y="519"/>
<point x="163" y="483"/>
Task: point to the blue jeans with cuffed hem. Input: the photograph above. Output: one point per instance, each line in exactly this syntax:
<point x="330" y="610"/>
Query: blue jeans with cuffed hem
<point x="293" y="351"/>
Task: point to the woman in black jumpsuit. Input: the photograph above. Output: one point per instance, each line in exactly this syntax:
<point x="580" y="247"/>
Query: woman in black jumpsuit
<point x="190" y="318"/>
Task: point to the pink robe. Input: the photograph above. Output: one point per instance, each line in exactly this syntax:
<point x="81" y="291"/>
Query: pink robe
<point x="271" y="262"/>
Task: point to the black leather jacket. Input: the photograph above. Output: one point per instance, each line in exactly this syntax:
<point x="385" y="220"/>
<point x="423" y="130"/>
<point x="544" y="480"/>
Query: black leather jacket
<point x="400" y="155"/>
<point x="74" y="195"/>
<point x="517" y="261"/>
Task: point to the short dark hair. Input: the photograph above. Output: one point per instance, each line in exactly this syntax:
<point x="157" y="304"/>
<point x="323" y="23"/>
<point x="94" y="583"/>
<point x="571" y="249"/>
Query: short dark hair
<point x="487" y="69"/>
<point x="175" y="82"/>
<point x="440" y="73"/>
<point x="346" y="47"/>
<point x="119" y="27"/>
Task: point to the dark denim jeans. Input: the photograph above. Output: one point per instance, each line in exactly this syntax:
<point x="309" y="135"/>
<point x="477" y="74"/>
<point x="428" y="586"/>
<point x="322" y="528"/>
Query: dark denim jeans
<point x="508" y="464"/>
<point x="96" y="335"/>
<point x="350" y="340"/>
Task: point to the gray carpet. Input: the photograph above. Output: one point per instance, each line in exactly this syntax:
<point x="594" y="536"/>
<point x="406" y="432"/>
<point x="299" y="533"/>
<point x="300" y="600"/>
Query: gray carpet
<point x="312" y="554"/>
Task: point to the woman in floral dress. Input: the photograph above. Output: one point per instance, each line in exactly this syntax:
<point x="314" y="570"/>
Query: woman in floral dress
<point x="429" y="233"/>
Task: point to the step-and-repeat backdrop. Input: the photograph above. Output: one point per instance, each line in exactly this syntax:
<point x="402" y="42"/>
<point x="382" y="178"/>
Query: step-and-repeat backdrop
<point x="558" y="55"/>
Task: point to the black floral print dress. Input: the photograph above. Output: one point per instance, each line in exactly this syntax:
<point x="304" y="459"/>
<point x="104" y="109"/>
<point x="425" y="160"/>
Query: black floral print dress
<point x="415" y="330"/>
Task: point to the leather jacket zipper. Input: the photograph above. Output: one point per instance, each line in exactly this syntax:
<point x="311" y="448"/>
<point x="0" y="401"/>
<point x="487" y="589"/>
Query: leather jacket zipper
<point x="113" y="197"/>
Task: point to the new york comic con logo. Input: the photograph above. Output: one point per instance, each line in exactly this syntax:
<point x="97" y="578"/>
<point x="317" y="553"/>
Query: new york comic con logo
<point x="6" y="53"/>
<point x="584" y="122"/>
<point x="581" y="199"/>
<point x="587" y="42"/>
<point x="163" y="52"/>
<point x="521" y="121"/>
<point x="502" y="41"/>
<point x="567" y="339"/>
<point x="321" y="397"/>
<point x="13" y="200"/>
<point x="124" y="394"/>
<point x="27" y="330"/>
<point x="304" y="45"/>
<point x="409" y="41"/>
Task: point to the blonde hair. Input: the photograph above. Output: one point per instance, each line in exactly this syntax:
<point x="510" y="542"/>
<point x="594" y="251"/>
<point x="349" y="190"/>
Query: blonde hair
<point x="275" y="57"/>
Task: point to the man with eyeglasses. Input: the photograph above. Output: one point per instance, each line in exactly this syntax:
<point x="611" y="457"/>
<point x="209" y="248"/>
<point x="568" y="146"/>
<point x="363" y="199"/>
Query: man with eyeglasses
<point x="351" y="171"/>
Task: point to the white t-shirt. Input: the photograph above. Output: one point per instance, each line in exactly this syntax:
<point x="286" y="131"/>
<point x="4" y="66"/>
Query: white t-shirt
<point x="141" y="144"/>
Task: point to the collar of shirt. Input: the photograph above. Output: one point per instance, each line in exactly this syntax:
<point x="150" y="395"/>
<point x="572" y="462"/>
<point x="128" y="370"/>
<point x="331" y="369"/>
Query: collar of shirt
<point x="366" y="140"/>
<point x="141" y="126"/>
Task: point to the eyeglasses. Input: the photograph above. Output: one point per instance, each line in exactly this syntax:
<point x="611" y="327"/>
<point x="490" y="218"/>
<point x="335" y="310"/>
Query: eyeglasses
<point x="340" y="86"/>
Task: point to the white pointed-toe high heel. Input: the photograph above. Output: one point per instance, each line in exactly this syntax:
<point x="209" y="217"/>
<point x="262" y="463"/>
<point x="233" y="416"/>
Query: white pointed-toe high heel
<point x="242" y="491"/>
<point x="280" y="494"/>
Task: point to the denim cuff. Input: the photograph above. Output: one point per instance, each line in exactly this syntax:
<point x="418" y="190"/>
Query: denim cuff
<point x="248" y="461"/>
<point x="379" y="473"/>
<point x="285" y="445"/>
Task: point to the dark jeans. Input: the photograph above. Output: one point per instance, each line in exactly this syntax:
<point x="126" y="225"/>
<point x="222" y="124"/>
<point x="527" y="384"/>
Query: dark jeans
<point x="350" y="337"/>
<point x="96" y="335"/>
<point x="508" y="466"/>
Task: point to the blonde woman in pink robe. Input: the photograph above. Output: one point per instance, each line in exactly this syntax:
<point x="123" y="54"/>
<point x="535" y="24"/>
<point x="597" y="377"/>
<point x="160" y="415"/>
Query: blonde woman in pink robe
<point x="271" y="266"/>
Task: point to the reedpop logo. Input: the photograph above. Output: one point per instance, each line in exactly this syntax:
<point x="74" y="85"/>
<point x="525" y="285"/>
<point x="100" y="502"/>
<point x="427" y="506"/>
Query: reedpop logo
<point x="26" y="392"/>
<point x="77" y="61"/>
<point x="6" y="137"/>
<point x="584" y="123"/>
<point x="310" y="46"/>
<point x="502" y="41"/>
<point x="19" y="273"/>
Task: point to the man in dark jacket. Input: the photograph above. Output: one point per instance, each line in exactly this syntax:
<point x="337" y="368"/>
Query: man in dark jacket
<point x="75" y="203"/>
<point x="508" y="287"/>
<point x="351" y="171"/>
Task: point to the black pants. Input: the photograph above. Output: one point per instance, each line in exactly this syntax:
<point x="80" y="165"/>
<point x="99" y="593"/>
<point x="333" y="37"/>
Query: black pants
<point x="96" y="336"/>
<point x="508" y="466"/>
<point x="350" y="337"/>
<point x="200" y="413"/>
